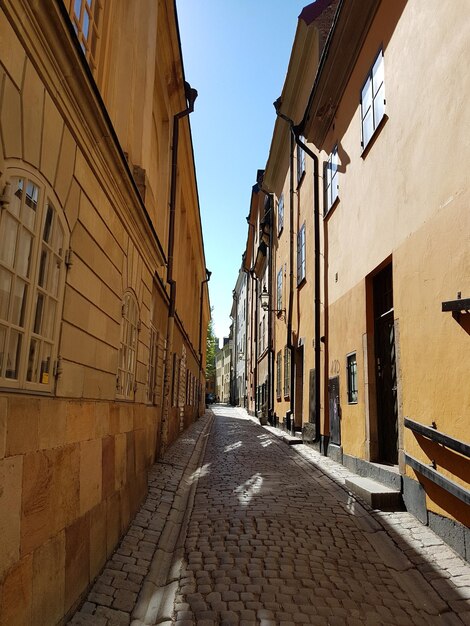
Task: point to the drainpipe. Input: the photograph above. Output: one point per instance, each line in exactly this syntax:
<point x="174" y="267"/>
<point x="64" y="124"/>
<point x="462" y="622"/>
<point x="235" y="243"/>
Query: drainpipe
<point x="255" y="373"/>
<point x="201" y="299"/>
<point x="295" y="136"/>
<point x="270" y="317"/>
<point x="191" y="95"/>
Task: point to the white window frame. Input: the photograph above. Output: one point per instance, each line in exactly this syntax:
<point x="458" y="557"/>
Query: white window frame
<point x="300" y="161"/>
<point x="286" y="372"/>
<point x="372" y="100"/>
<point x="279" y="374"/>
<point x="331" y="180"/>
<point x="301" y="269"/>
<point x="40" y="269"/>
<point x="87" y="18"/>
<point x="280" y="214"/>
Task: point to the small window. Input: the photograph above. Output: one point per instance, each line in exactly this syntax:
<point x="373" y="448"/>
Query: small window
<point x="280" y="214"/>
<point x="351" y="366"/>
<point x="373" y="100"/>
<point x="301" y="254"/>
<point x="279" y="290"/>
<point x="331" y="180"/>
<point x="278" y="374"/>
<point x="125" y="383"/>
<point x="300" y="162"/>
<point x="286" y="372"/>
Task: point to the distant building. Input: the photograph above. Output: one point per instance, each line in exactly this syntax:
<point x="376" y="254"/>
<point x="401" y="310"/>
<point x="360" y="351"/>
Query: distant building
<point x="239" y="315"/>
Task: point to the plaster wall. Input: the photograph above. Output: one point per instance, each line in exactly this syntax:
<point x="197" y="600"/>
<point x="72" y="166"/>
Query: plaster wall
<point x="406" y="196"/>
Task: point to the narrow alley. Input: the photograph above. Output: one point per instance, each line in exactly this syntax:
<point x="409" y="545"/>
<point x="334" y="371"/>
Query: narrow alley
<point x="241" y="528"/>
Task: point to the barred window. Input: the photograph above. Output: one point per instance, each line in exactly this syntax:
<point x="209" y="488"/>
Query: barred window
<point x="33" y="241"/>
<point x="331" y="180"/>
<point x="126" y="383"/>
<point x="351" y="367"/>
<point x="300" y="161"/>
<point x="286" y="372"/>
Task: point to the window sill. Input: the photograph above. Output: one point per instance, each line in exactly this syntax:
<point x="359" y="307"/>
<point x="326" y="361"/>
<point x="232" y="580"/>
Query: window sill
<point x="300" y="180"/>
<point x="302" y="282"/>
<point x="373" y="138"/>
<point x="353" y="403"/>
<point x="279" y="232"/>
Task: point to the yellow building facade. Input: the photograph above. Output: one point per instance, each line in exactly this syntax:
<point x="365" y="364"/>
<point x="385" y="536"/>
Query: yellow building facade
<point x="102" y="284"/>
<point x="369" y="250"/>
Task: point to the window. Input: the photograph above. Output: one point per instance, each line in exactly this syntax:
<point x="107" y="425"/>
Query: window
<point x="300" y="162"/>
<point x="280" y="214"/>
<point x="286" y="371"/>
<point x="351" y="365"/>
<point x="373" y="100"/>
<point x="279" y="290"/>
<point x="331" y="180"/>
<point x="278" y="373"/>
<point x="301" y="254"/>
<point x="125" y="383"/>
<point x="86" y="18"/>
<point x="32" y="276"/>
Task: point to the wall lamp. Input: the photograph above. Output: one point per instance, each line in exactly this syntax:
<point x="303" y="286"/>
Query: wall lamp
<point x="264" y="297"/>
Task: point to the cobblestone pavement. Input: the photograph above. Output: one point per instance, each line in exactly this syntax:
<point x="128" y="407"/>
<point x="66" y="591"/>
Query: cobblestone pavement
<point x="240" y="528"/>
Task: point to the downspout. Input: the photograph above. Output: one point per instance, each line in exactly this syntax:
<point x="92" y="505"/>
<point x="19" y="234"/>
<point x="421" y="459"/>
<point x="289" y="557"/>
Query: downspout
<point x="316" y="214"/>
<point x="255" y="373"/>
<point x="290" y="421"/>
<point x="295" y="135"/>
<point x="270" y="317"/>
<point x="245" y="394"/>
<point x="201" y="299"/>
<point x="191" y="95"/>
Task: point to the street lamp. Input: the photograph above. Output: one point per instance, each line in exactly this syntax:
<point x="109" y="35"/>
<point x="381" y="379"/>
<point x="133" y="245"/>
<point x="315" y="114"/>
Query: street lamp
<point x="264" y="297"/>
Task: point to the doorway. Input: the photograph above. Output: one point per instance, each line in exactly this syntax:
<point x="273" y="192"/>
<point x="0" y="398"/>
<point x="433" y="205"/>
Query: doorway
<point x="385" y="366"/>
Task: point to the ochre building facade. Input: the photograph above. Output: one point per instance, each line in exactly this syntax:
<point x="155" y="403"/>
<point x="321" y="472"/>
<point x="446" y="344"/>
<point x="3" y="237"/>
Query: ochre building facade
<point x="103" y="303"/>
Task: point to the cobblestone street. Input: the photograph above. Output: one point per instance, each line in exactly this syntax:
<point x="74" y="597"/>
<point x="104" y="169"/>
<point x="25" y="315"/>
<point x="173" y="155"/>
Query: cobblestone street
<point x="240" y="528"/>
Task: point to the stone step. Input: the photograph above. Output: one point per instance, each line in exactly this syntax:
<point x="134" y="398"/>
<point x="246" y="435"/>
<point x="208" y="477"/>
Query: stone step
<point x="375" y="494"/>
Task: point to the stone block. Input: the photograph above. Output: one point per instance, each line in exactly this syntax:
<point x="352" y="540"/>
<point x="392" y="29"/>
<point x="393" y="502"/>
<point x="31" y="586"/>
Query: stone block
<point x="120" y="460"/>
<point x="80" y="421"/>
<point x="113" y="522"/>
<point x="141" y="450"/>
<point x="49" y="581"/>
<point x="90" y="474"/>
<point x="102" y="419"/>
<point x="22" y="425"/>
<point x="33" y="111"/>
<point x="108" y="467"/>
<point x="52" y="135"/>
<point x="130" y="456"/>
<point x="77" y="560"/>
<point x="16" y="595"/>
<point x="52" y="423"/>
<point x="66" y="166"/>
<point x="126" y="418"/>
<point x="72" y="205"/>
<point x="11" y="52"/>
<point x="50" y="494"/>
<point x="3" y="425"/>
<point x="10" y="120"/>
<point x="97" y="539"/>
<point x="70" y="382"/>
<point x="11" y="474"/>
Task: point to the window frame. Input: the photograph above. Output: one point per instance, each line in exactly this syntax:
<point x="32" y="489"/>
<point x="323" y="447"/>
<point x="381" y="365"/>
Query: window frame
<point x="287" y="389"/>
<point x="279" y="289"/>
<point x="352" y="378"/>
<point x="331" y="180"/>
<point x="89" y="43"/>
<point x="377" y="94"/>
<point x="127" y="348"/>
<point x="280" y="214"/>
<point x="300" y="152"/>
<point x="41" y="260"/>
<point x="301" y="255"/>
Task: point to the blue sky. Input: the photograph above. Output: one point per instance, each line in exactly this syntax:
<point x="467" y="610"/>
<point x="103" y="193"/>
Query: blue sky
<point x="235" y="54"/>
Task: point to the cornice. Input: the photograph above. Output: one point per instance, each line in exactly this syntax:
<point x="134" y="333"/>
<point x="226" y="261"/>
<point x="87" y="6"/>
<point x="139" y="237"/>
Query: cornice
<point x="47" y="36"/>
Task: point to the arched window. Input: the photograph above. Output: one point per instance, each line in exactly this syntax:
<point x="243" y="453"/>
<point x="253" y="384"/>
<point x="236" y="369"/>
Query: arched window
<point x="125" y="383"/>
<point x="33" y="241"/>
